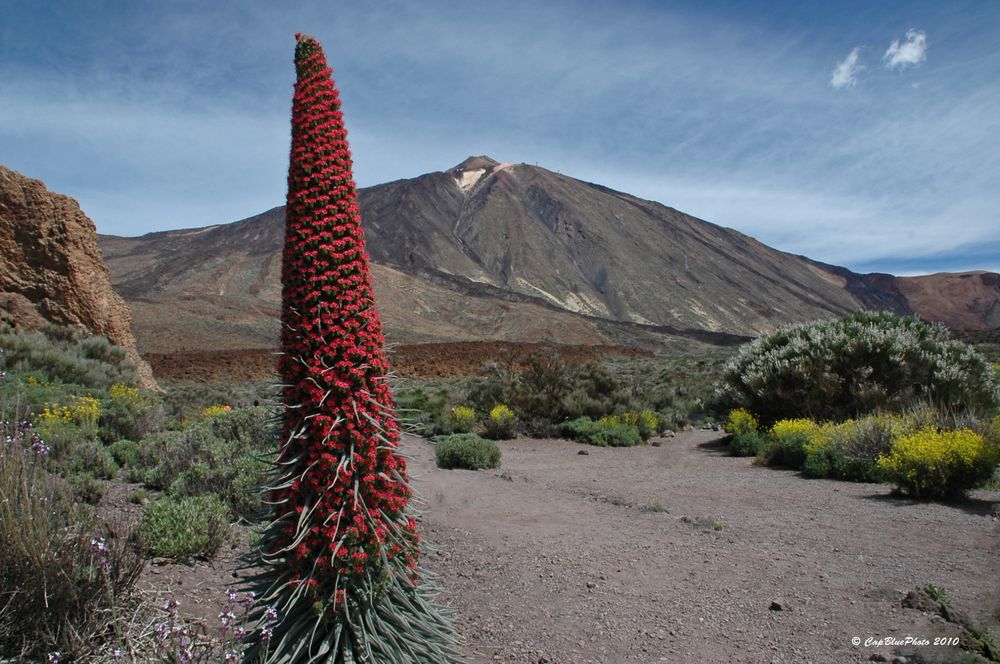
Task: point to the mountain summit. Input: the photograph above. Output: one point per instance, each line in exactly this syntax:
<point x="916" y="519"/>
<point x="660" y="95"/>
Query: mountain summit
<point x="488" y="250"/>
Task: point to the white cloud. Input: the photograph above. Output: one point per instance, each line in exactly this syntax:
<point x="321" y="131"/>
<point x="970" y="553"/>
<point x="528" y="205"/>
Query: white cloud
<point x="911" y="52"/>
<point x="846" y="72"/>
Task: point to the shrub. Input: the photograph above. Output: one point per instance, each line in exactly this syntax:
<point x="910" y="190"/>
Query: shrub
<point x="940" y="464"/>
<point x="466" y="450"/>
<point x="422" y="413"/>
<point x="65" y="355"/>
<point x="857" y="364"/>
<point x="184" y="528"/>
<point x="501" y="421"/>
<point x="607" y="432"/>
<point x="87" y="456"/>
<point x="747" y="444"/>
<point x="644" y="421"/>
<point x="224" y="454"/>
<point x="63" y="575"/>
<point x="211" y="411"/>
<point x="741" y="420"/>
<point x="185" y="400"/>
<point x="86" y="488"/>
<point x="850" y="450"/>
<point x="125" y="452"/>
<point x="461" y="419"/>
<point x="788" y="443"/>
<point x="831" y="462"/>
<point x="129" y="413"/>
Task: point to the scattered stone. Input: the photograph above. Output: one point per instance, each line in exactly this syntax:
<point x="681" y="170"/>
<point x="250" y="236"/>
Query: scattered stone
<point x="878" y="657"/>
<point x="656" y="443"/>
<point x="583" y="452"/>
<point x="899" y="659"/>
<point x="921" y="601"/>
<point x="777" y="605"/>
<point x="591" y="584"/>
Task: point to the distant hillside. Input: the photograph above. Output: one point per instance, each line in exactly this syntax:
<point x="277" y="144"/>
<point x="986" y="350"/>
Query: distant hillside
<point x="517" y="253"/>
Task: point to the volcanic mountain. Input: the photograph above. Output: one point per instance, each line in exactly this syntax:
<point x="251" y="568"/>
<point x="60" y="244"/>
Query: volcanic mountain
<point x="488" y="250"/>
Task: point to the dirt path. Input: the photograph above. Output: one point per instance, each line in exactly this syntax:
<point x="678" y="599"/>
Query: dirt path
<point x="566" y="557"/>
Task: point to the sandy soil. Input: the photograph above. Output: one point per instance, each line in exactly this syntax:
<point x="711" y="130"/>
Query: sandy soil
<point x="676" y="553"/>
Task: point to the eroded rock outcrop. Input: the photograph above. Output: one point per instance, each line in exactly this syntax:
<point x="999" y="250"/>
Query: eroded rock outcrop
<point x="51" y="268"/>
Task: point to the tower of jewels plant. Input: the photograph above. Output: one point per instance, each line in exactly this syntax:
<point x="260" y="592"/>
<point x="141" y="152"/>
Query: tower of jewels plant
<point x="339" y="553"/>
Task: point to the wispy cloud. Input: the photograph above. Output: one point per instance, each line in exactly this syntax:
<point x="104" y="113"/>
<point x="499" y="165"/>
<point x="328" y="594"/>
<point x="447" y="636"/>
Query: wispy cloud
<point x="909" y="53"/>
<point x="846" y="73"/>
<point x="159" y="117"/>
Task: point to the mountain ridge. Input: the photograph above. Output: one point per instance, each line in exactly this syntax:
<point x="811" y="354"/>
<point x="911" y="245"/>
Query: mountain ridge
<point x="485" y="246"/>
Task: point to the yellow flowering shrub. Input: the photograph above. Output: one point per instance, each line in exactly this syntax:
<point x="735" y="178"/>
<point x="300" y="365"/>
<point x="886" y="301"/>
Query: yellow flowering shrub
<point x="610" y="420"/>
<point x="82" y="411"/>
<point x="784" y="429"/>
<point x="501" y="422"/>
<point x="124" y="393"/>
<point x="501" y="413"/>
<point x="940" y="464"/>
<point x="211" y="411"/>
<point x="462" y="419"/>
<point x="741" y="420"/>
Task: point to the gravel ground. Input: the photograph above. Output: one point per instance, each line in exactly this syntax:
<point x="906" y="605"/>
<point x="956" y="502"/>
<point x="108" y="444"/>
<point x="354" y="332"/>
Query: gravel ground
<point x="680" y="553"/>
<point x="570" y="554"/>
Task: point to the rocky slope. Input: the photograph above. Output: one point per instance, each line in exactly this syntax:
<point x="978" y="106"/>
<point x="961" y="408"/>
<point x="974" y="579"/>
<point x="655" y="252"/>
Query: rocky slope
<point x="51" y="269"/>
<point x="965" y="301"/>
<point x="514" y="252"/>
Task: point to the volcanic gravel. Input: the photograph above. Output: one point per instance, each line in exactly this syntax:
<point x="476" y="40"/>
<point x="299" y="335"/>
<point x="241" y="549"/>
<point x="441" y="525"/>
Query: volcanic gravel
<point x="681" y="553"/>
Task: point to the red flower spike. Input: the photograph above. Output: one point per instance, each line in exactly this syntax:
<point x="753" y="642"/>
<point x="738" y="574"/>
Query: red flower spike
<point x="340" y="530"/>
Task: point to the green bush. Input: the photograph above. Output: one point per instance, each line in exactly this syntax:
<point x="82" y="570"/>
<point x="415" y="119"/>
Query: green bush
<point x="185" y="400"/>
<point x="940" y="464"/>
<point x="850" y="450"/>
<point x="747" y="444"/>
<point x="128" y="413"/>
<point x="500" y="423"/>
<point x="184" y="528"/>
<point x="860" y="363"/>
<point x="125" y="452"/>
<point x="832" y="463"/>
<point x="65" y="355"/>
<point x="225" y="454"/>
<point x="466" y="450"/>
<point x="86" y="488"/>
<point x="603" y="433"/>
<point x="87" y="456"/>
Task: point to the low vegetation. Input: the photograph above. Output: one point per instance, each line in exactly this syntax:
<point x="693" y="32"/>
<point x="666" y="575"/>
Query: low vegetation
<point x="466" y="450"/>
<point x="858" y="364"/>
<point x="72" y="420"/>
<point x="897" y="402"/>
<point x="916" y="452"/>
<point x="544" y="397"/>
<point x="75" y="421"/>
<point x="64" y="574"/>
<point x="184" y="528"/>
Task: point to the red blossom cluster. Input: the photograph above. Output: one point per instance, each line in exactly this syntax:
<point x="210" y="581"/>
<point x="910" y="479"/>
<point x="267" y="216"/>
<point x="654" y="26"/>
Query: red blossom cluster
<point x="345" y="506"/>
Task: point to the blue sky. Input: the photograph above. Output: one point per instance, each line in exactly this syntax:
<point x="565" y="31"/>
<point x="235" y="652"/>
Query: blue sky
<point x="865" y="134"/>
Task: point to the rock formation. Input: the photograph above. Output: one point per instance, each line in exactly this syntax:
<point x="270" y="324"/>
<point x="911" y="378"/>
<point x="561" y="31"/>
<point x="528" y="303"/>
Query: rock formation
<point x="51" y="269"/>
